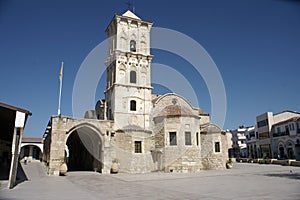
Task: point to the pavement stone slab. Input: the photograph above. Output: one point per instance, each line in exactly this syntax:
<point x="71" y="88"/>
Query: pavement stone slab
<point x="244" y="181"/>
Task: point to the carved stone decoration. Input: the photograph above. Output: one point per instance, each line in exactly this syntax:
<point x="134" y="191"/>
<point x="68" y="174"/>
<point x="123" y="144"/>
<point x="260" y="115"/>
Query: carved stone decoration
<point x="174" y="101"/>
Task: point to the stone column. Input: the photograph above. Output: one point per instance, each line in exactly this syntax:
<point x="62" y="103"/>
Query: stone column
<point x="107" y="161"/>
<point x="30" y="156"/>
<point x="297" y="150"/>
<point x="15" y="150"/>
<point x="57" y="148"/>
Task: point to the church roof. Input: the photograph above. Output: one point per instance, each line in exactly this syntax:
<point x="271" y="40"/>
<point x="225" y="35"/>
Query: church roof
<point x="130" y="14"/>
<point x="133" y="128"/>
<point x="210" y="128"/>
<point x="175" y="110"/>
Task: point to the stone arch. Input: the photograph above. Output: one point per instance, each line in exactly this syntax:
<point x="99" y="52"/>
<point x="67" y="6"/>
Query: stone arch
<point x="123" y="41"/>
<point x="290" y="149"/>
<point x="122" y="67"/>
<point x="143" y="45"/>
<point x="143" y="70"/>
<point x="281" y="151"/>
<point x="32" y="151"/>
<point x="40" y="146"/>
<point x="289" y="143"/>
<point x="133" y="36"/>
<point x="133" y="68"/>
<point x="85" y="144"/>
<point x="122" y="73"/>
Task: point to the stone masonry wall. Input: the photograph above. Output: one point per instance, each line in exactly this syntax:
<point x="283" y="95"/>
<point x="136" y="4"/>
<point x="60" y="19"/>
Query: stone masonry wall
<point x="210" y="158"/>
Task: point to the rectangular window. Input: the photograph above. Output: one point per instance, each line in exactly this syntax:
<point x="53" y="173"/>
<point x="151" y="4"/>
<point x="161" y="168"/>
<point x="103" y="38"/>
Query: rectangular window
<point x="173" y="138"/>
<point x="287" y="131"/>
<point x="217" y="147"/>
<point x="262" y="123"/>
<point x="264" y="135"/>
<point x="278" y="130"/>
<point x="137" y="147"/>
<point x="197" y="139"/>
<point x="188" y="139"/>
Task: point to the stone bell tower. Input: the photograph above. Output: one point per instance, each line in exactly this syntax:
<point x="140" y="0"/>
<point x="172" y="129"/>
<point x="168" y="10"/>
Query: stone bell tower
<point x="128" y="85"/>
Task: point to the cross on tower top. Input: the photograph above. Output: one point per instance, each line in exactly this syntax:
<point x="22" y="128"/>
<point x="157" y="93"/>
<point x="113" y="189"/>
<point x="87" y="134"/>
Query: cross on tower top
<point x="130" y="6"/>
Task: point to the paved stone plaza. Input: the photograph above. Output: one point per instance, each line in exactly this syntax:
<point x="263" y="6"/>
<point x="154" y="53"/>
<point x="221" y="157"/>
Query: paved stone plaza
<point x="244" y="181"/>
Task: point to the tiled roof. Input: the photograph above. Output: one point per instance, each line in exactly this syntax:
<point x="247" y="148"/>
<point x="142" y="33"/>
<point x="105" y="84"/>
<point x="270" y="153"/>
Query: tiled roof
<point x="32" y="140"/>
<point x="175" y="110"/>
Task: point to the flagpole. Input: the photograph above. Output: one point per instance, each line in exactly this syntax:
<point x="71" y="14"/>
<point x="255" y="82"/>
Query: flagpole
<point x="60" y="86"/>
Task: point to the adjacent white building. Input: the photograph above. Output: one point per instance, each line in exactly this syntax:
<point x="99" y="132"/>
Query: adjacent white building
<point x="239" y="145"/>
<point x="264" y="124"/>
<point x="273" y="136"/>
<point x="285" y="135"/>
<point x="251" y="141"/>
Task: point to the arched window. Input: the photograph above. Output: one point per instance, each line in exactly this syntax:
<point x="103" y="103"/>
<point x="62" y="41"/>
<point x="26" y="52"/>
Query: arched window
<point x="133" y="105"/>
<point x="132" y="76"/>
<point x="133" y="45"/>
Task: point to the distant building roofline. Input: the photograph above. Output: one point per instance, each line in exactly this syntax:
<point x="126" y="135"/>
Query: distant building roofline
<point x="15" y="108"/>
<point x="32" y="140"/>
<point x="290" y="119"/>
<point x="286" y="111"/>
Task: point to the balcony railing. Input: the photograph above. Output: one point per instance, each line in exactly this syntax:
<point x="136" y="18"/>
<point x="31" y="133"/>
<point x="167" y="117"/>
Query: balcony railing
<point x="251" y="139"/>
<point x="280" y="134"/>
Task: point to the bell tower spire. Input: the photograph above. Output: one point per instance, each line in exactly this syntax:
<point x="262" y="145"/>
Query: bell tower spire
<point x="128" y="88"/>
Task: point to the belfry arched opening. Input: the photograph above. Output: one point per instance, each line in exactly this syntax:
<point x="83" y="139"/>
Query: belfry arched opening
<point x="84" y="150"/>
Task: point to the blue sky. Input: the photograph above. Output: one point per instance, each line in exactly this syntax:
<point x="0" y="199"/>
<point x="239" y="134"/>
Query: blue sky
<point x="254" y="43"/>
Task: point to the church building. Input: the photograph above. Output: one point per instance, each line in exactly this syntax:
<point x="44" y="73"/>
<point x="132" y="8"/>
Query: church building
<point x="133" y="128"/>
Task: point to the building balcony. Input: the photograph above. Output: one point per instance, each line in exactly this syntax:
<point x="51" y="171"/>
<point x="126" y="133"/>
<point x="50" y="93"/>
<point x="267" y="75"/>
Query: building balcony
<point x="242" y="137"/>
<point x="280" y="134"/>
<point x="253" y="139"/>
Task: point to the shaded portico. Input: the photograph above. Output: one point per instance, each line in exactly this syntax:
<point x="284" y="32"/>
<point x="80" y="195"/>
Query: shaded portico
<point x="84" y="149"/>
<point x="32" y="148"/>
<point x="12" y="123"/>
<point x="80" y="143"/>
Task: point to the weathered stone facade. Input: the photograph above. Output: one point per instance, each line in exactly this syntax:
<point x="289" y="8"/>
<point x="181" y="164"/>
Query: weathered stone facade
<point x="140" y="131"/>
<point x="213" y="157"/>
<point x="94" y="134"/>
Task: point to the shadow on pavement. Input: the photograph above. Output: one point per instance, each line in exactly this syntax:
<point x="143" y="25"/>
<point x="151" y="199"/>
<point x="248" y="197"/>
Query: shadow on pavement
<point x="4" y="170"/>
<point x="21" y="176"/>
<point x="290" y="175"/>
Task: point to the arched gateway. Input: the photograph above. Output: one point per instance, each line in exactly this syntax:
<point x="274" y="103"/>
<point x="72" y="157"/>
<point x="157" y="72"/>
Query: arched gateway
<point x="79" y="143"/>
<point x="84" y="149"/>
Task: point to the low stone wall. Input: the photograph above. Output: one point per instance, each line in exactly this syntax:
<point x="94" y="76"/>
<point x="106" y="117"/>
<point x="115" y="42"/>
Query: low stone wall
<point x="248" y="160"/>
<point x="281" y="162"/>
<point x="295" y="163"/>
<point x="270" y="161"/>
